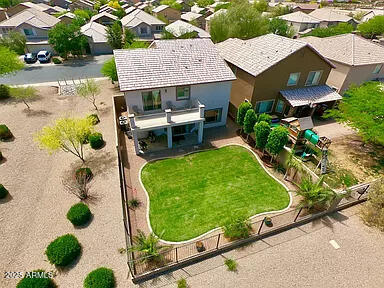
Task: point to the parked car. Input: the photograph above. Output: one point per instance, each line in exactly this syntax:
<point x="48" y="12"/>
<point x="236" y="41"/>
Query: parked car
<point x="30" y="58"/>
<point x="44" y="56"/>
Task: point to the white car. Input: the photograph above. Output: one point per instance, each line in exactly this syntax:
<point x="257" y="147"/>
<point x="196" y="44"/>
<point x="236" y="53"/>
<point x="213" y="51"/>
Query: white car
<point x="44" y="56"/>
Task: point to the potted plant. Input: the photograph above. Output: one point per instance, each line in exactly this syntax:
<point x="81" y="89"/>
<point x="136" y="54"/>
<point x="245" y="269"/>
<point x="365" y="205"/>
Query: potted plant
<point x="268" y="221"/>
<point x="200" y="246"/>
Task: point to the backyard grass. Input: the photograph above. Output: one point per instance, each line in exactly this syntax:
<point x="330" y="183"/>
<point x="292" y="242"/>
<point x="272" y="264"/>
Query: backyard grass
<point x="193" y="194"/>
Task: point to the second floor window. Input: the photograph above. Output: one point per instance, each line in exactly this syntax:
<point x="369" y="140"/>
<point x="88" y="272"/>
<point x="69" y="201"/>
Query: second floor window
<point x="377" y="69"/>
<point x="264" y="106"/>
<point x="28" y="32"/>
<point x="313" y="78"/>
<point x="183" y="93"/>
<point x="159" y="28"/>
<point x="151" y="100"/>
<point x="293" y="79"/>
<point x="143" y="30"/>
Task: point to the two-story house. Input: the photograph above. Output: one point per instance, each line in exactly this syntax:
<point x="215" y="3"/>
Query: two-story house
<point x="144" y="25"/>
<point x="278" y="75"/>
<point x="175" y="87"/>
<point x="300" y="21"/>
<point x="329" y="17"/>
<point x="104" y="18"/>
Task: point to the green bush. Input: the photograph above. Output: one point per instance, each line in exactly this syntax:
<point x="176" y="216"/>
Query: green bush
<point x="57" y="61"/>
<point x="79" y="214"/>
<point x="63" y="250"/>
<point x="3" y="191"/>
<point x="231" y="264"/>
<point x="96" y="140"/>
<point x="182" y="283"/>
<point x="5" y="133"/>
<point x="82" y="173"/>
<point x="4" y="91"/>
<point x="94" y="119"/>
<point x="264" y="117"/>
<point x="237" y="228"/>
<point x="36" y="282"/>
<point x="100" y="278"/>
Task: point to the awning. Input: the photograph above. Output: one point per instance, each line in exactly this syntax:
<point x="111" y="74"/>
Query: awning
<point x="310" y="95"/>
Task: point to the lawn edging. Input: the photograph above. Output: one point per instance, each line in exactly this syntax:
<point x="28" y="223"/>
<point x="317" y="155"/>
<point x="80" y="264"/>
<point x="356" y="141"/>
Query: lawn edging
<point x="218" y="228"/>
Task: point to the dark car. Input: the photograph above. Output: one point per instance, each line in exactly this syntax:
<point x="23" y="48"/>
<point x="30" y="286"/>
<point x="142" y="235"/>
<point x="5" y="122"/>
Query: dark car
<point x="30" y="58"/>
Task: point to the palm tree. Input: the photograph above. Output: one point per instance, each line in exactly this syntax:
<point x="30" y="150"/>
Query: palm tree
<point x="147" y="245"/>
<point x="292" y="163"/>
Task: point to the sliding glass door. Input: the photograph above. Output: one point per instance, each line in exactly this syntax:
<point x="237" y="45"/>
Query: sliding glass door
<point x="151" y="100"/>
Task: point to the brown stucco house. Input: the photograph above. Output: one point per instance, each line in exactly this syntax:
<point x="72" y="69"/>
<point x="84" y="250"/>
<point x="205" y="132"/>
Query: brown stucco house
<point x="167" y="12"/>
<point x="356" y="59"/>
<point x="278" y="75"/>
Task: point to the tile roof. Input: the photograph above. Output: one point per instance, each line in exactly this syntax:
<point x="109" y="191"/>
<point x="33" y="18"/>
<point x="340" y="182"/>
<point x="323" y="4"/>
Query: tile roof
<point x="104" y="14"/>
<point x="171" y="63"/>
<point x="306" y="5"/>
<point x="350" y="49"/>
<point x="68" y="14"/>
<point x="300" y="17"/>
<point x="160" y="8"/>
<point x="261" y="53"/>
<point x="329" y="15"/>
<point x="137" y="17"/>
<point x="179" y="28"/>
<point x="310" y="95"/>
<point x="95" y="31"/>
<point x="32" y="17"/>
<point x="190" y="16"/>
<point x="129" y="10"/>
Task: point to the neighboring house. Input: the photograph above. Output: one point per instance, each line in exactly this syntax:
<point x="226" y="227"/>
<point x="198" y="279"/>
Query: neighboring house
<point x="52" y="10"/>
<point x="184" y="6"/>
<point x="305" y="7"/>
<point x="278" y="75"/>
<point x="97" y="38"/>
<point x="34" y="24"/>
<point x="26" y="5"/>
<point x="356" y="59"/>
<point x="82" y="4"/>
<point x="61" y="3"/>
<point x="210" y="17"/>
<point x="145" y="26"/>
<point x="179" y="28"/>
<point x="370" y="13"/>
<point x="67" y="18"/>
<point x="104" y="18"/>
<point x="328" y="17"/>
<point x="197" y="9"/>
<point x="129" y="10"/>
<point x="194" y="18"/>
<point x="107" y="8"/>
<point x="300" y="21"/>
<point x="176" y="87"/>
<point x="214" y="5"/>
<point x="167" y="12"/>
<point x="3" y="14"/>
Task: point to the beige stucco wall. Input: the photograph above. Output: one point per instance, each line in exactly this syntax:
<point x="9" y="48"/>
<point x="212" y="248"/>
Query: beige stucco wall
<point x="359" y="74"/>
<point x="337" y="76"/>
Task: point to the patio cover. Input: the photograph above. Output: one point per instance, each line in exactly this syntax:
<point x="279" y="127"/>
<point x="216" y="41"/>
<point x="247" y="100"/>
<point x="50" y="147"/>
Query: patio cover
<point x="310" y="95"/>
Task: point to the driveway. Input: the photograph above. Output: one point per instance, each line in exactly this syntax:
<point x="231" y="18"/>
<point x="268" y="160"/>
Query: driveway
<point x="49" y="72"/>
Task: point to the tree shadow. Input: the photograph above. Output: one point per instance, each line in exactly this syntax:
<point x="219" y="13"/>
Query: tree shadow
<point x="7" y="199"/>
<point x="10" y="139"/>
<point x="101" y="162"/>
<point x="66" y="269"/>
<point x="3" y="160"/>
<point x="36" y="113"/>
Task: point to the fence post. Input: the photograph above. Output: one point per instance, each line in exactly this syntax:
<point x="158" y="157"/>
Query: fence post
<point x="218" y="241"/>
<point x="261" y="226"/>
<point x="177" y="258"/>
<point x="297" y="216"/>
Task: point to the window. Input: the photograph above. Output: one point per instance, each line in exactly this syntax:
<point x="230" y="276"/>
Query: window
<point x="377" y="69"/>
<point x="279" y="106"/>
<point x="264" y="106"/>
<point x="213" y="116"/>
<point x="28" y="32"/>
<point x="293" y="79"/>
<point x="143" y="30"/>
<point x="183" y="93"/>
<point x="151" y="100"/>
<point x="159" y="28"/>
<point x="313" y="78"/>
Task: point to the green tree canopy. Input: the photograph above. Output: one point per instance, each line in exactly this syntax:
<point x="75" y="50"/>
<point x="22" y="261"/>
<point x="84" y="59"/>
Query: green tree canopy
<point x="24" y="94"/>
<point x="241" y="111"/>
<point x="280" y="10"/>
<point x="204" y="3"/>
<point x="373" y="27"/>
<point x="262" y="130"/>
<point x="9" y="3"/>
<point x="9" y="61"/>
<point x="115" y="35"/>
<point x="362" y="108"/>
<point x="109" y="69"/>
<point x="15" y="41"/>
<point x="172" y="3"/>
<point x="341" y="28"/>
<point x="276" y="140"/>
<point x="264" y="117"/>
<point x="85" y="14"/>
<point x="280" y="27"/>
<point x="249" y="121"/>
<point x="261" y="5"/>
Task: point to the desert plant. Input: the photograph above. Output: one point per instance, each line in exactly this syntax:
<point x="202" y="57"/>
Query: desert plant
<point x="372" y="211"/>
<point x="231" y="264"/>
<point x="241" y="111"/>
<point x="134" y="203"/>
<point x="182" y="283"/>
<point x="237" y="228"/>
<point x="89" y="90"/>
<point x="63" y="250"/>
<point x="39" y="281"/>
<point x="262" y="131"/>
<point x="100" y="278"/>
<point x="4" y="91"/>
<point x="82" y="174"/>
<point x="96" y="140"/>
<point x="56" y="60"/>
<point x="78" y="186"/>
<point x="24" y="94"/>
<point x="94" y="119"/>
<point x="79" y="214"/>
<point x="5" y="133"/>
<point x="148" y="246"/>
<point x="3" y="191"/>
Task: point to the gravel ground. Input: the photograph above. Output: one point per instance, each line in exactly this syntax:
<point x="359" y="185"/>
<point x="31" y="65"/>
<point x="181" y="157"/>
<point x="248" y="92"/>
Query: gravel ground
<point x="35" y="214"/>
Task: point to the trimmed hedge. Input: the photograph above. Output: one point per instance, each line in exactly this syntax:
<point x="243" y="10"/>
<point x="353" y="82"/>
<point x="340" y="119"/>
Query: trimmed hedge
<point x="4" y="91"/>
<point x="96" y="140"/>
<point x="5" y="133"/>
<point x="63" y="250"/>
<point x="36" y="282"/>
<point x="3" y="191"/>
<point x="94" y="119"/>
<point x="79" y="214"/>
<point x="80" y="174"/>
<point x="100" y="278"/>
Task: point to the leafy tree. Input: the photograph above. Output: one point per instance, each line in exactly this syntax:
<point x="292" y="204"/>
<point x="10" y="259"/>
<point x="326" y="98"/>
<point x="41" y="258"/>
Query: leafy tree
<point x="362" y="108"/>
<point x="261" y="5"/>
<point x="115" y="35"/>
<point x="129" y="36"/>
<point x="136" y="45"/>
<point x="148" y="245"/>
<point x="264" y="117"/>
<point x="9" y="61"/>
<point x="67" y="39"/>
<point x="15" y="41"/>
<point x="262" y="130"/>
<point x="24" y="94"/>
<point x="373" y="27"/>
<point x="84" y="14"/>
<point x="204" y="3"/>
<point x="280" y="10"/>
<point x="89" y="90"/>
<point x="172" y="3"/>
<point x="109" y="69"/>
<point x="120" y="13"/>
<point x="114" y="4"/>
<point x="249" y="121"/>
<point x="223" y="6"/>
<point x="9" y="3"/>
<point x="372" y="212"/>
<point x="276" y="140"/>
<point x="280" y="27"/>
<point x="341" y="28"/>
<point x="67" y="134"/>
<point x="241" y="112"/>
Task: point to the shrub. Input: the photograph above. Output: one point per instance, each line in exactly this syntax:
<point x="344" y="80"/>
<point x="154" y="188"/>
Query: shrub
<point x="264" y="117"/>
<point x="182" y="283"/>
<point x="249" y="121"/>
<point x="277" y="140"/>
<point x="96" y="140"/>
<point x="36" y="282"/>
<point x="5" y="133"/>
<point x="237" y="228"/>
<point x="79" y="214"/>
<point x="262" y="131"/>
<point x="94" y="119"/>
<point x="63" y="250"/>
<point x="83" y="174"/>
<point x="241" y="111"/>
<point x="3" y="191"/>
<point x="231" y="264"/>
<point x="4" y="91"/>
<point x="133" y="203"/>
<point x="100" y="278"/>
<point x="372" y="212"/>
<point x="57" y="61"/>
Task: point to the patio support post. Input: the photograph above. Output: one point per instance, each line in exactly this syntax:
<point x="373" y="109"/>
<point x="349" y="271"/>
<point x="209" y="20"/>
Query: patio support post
<point x="168" y="114"/>
<point x="169" y="136"/>
<point x="132" y="120"/>
<point x="200" y="132"/>
<point x="135" y="141"/>
<point x="201" y="110"/>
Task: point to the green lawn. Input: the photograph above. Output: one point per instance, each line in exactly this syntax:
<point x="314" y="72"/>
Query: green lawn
<point x="193" y="194"/>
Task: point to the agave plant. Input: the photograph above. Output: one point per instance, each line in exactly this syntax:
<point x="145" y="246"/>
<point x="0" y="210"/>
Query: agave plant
<point x="314" y="194"/>
<point x="148" y="246"/>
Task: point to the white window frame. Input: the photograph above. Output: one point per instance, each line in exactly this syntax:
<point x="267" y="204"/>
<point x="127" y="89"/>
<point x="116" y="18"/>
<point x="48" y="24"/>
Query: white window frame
<point x="273" y="104"/>
<point x="377" y="69"/>
<point x="318" y="79"/>
<point x="183" y="98"/>
<point x="297" y="81"/>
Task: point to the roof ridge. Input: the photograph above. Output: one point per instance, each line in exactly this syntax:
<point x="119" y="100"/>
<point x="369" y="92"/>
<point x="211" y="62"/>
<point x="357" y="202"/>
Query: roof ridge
<point x="353" y="49"/>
